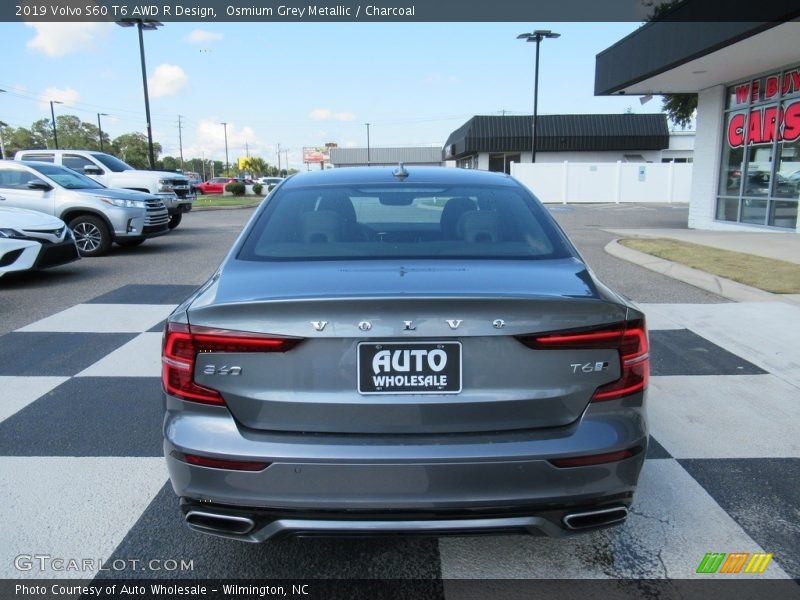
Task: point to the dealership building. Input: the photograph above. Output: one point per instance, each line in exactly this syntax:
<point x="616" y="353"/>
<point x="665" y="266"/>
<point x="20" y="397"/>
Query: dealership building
<point x="494" y="142"/>
<point x="746" y="171"/>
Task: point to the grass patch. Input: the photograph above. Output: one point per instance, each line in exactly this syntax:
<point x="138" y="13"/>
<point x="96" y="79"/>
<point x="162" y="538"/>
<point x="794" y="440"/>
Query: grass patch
<point x="776" y="276"/>
<point x="220" y="200"/>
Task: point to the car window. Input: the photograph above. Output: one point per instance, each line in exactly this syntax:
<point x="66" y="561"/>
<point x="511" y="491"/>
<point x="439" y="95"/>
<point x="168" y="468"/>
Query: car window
<point x="38" y="157"/>
<point x="375" y="222"/>
<point x="112" y="162"/>
<point x="67" y="178"/>
<point x="76" y="163"/>
<point x="16" y="179"/>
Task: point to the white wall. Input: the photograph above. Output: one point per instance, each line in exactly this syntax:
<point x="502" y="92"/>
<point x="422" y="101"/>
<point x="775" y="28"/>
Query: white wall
<point x="707" y="155"/>
<point x="606" y="182"/>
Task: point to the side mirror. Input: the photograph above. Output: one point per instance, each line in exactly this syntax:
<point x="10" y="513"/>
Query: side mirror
<point x="92" y="170"/>
<point x="39" y="185"/>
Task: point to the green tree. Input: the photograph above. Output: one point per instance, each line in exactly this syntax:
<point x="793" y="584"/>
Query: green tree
<point x="170" y="163"/>
<point x="256" y="166"/>
<point x="132" y="148"/>
<point x="680" y="108"/>
<point x="79" y="135"/>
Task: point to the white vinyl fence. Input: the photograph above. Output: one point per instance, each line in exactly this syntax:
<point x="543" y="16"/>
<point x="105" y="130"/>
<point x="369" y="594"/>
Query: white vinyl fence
<point x="568" y="182"/>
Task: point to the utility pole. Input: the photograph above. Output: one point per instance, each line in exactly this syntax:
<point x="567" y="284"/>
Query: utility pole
<point x="100" y="129"/>
<point x="279" y="160"/>
<point x="368" y="159"/>
<point x="246" y="149"/>
<point x="204" y="165"/>
<point x="2" y="143"/>
<point x="287" y="161"/>
<point x="180" y="139"/>
<point x="227" y="166"/>
<point x="53" y="115"/>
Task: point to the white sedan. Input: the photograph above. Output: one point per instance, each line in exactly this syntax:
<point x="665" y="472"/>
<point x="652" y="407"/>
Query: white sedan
<point x="31" y="240"/>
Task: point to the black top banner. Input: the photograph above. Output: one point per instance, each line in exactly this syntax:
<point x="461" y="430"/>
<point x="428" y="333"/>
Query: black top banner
<point x="399" y="10"/>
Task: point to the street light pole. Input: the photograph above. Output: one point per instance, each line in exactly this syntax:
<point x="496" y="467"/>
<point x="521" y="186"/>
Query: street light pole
<point x="225" y="125"/>
<point x="141" y="25"/>
<point x="53" y="116"/>
<point x="100" y="129"/>
<point x="537" y="37"/>
<point x="369" y="162"/>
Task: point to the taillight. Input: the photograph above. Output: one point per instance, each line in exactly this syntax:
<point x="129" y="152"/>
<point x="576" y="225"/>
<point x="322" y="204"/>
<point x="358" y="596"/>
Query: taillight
<point x="629" y="338"/>
<point x="219" y="463"/>
<point x="594" y="459"/>
<point x="182" y="344"/>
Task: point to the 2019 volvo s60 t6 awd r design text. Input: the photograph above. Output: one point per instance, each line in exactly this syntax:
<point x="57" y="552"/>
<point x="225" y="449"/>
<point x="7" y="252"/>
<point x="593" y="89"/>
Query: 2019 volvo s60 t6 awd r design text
<point x="409" y="350"/>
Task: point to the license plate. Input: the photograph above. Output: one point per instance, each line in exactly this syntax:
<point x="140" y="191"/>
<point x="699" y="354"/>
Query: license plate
<point x="409" y="367"/>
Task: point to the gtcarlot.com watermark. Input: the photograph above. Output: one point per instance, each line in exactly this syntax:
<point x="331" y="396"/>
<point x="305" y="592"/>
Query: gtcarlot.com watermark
<point x="45" y="563"/>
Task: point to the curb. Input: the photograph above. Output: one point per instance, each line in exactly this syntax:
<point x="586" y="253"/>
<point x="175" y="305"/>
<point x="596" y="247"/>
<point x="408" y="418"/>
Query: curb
<point x="727" y="288"/>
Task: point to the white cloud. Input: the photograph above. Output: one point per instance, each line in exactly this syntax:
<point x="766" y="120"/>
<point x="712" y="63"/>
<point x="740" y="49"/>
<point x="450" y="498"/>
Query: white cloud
<point x="58" y="39"/>
<point x="66" y="96"/>
<point x="209" y="138"/>
<point x="326" y="114"/>
<point x="202" y="36"/>
<point x="167" y="80"/>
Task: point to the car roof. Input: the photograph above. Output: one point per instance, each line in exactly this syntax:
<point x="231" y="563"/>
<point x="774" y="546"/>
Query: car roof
<point x="29" y="163"/>
<point x="385" y="175"/>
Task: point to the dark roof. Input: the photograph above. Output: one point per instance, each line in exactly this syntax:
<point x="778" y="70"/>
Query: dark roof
<point x="559" y="133"/>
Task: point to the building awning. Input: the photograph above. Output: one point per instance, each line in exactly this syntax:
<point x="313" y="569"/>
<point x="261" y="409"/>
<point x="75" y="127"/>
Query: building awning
<point x="682" y="55"/>
<point x="559" y="133"/>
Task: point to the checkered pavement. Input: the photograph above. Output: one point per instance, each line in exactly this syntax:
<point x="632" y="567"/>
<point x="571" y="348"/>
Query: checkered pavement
<point x="81" y="472"/>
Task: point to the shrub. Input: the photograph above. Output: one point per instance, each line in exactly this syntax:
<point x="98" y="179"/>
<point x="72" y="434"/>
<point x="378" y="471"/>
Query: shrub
<point x="236" y="188"/>
<point x="257" y="187"/>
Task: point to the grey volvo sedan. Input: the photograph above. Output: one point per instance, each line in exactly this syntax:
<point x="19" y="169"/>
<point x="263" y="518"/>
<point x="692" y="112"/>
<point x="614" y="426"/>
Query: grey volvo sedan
<point x="404" y="350"/>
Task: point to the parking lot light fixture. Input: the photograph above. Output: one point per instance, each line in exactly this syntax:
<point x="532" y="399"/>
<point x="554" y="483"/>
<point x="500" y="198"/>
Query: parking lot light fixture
<point x="53" y="116"/>
<point x="537" y="37"/>
<point x="141" y="25"/>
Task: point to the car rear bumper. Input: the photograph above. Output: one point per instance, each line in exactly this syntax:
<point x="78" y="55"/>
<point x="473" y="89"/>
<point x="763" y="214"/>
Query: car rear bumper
<point x="325" y="484"/>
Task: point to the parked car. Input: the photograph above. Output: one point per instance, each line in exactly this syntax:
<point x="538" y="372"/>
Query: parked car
<point x="31" y="240"/>
<point x="173" y="189"/>
<point x="414" y="350"/>
<point x="269" y="182"/>
<point x="215" y="185"/>
<point x="96" y="214"/>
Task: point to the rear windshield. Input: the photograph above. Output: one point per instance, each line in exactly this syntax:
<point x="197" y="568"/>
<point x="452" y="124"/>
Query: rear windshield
<point x="380" y="222"/>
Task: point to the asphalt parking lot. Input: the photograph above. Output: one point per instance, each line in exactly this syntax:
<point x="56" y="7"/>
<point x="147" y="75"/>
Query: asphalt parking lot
<point x="79" y="360"/>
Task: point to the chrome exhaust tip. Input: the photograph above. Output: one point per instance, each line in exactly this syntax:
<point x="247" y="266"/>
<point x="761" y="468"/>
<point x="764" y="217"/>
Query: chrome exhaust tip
<point x="219" y="523"/>
<point x="596" y="518"/>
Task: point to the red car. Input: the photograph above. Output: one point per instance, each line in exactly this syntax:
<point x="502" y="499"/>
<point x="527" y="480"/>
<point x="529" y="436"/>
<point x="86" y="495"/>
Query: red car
<point x="215" y="185"/>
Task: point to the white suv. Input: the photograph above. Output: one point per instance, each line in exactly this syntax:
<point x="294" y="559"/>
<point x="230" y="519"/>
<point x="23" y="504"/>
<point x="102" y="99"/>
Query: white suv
<point x="174" y="190"/>
<point x="96" y="215"/>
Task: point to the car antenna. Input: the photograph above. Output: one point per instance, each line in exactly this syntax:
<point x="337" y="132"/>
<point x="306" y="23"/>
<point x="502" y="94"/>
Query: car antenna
<point x="400" y="172"/>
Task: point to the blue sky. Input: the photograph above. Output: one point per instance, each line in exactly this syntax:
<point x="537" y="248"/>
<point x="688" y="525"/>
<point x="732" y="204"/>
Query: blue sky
<point x="301" y="84"/>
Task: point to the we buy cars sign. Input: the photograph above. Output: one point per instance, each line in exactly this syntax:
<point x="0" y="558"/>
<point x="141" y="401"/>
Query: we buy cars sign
<point x="766" y="123"/>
